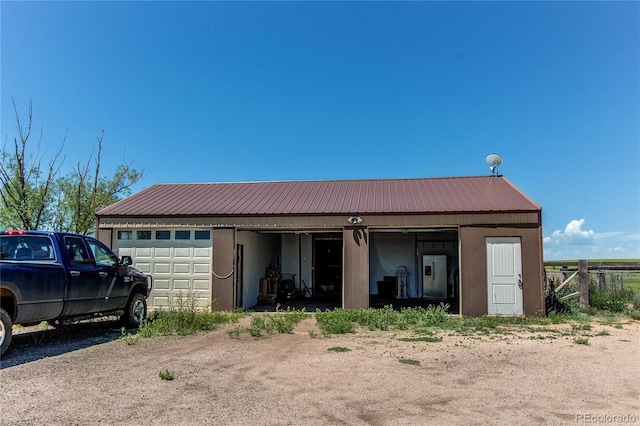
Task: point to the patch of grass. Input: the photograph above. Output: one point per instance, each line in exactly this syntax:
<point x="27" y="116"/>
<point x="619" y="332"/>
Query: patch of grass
<point x="130" y="339"/>
<point x="336" y="321"/>
<point x="235" y="332"/>
<point x="338" y="349"/>
<point x="543" y="330"/>
<point x="184" y="317"/>
<point x="603" y="333"/>
<point x="581" y="341"/>
<point x="281" y="322"/>
<point x="166" y="375"/>
<point x="342" y="321"/>
<point x="409" y="361"/>
<point x="581" y="327"/>
<point x="428" y="339"/>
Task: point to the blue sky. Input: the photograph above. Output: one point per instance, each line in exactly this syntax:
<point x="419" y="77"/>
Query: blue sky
<point x="251" y="91"/>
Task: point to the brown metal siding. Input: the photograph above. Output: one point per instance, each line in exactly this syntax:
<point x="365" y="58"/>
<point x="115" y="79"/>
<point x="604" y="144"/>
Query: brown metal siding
<point x="222" y="290"/>
<point x="106" y="236"/>
<point x="355" y="293"/>
<point x="473" y="271"/>
<point x="315" y="221"/>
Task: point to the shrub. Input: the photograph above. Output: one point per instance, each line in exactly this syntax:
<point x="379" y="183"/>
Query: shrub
<point x="166" y="375"/>
<point x="184" y="317"/>
<point x="337" y="321"/>
<point x="281" y="322"/>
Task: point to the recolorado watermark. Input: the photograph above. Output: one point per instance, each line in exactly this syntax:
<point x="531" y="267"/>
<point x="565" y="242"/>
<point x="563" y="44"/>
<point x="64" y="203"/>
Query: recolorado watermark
<point x="590" y="418"/>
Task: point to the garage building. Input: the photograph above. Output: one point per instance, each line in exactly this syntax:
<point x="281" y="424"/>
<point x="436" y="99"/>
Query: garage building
<point x="474" y="243"/>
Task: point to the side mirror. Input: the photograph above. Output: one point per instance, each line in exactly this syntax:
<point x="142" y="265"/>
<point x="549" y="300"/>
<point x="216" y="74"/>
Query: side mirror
<point x="126" y="260"/>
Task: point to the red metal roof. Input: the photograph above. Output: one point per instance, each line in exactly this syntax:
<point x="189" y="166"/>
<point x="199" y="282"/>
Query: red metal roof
<point x="373" y="196"/>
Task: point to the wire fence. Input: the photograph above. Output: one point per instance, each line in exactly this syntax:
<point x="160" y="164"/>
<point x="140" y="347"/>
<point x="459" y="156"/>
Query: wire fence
<point x="610" y="289"/>
<point x="610" y="280"/>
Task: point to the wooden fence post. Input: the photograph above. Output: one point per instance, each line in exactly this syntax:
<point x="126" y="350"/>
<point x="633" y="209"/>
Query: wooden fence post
<point x="602" y="281"/>
<point x="583" y="275"/>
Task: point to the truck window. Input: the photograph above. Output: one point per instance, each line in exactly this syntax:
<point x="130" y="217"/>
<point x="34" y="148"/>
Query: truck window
<point x="77" y="250"/>
<point x="26" y="248"/>
<point x="102" y="255"/>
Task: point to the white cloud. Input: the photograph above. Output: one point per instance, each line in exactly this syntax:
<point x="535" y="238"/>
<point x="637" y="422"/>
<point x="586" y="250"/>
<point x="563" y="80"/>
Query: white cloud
<point x="575" y="242"/>
<point x="574" y="230"/>
<point x="572" y="234"/>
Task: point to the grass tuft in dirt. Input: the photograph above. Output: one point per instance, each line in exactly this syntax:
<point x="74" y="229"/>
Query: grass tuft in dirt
<point x="338" y="349"/>
<point x="428" y="339"/>
<point x="166" y="375"/>
<point x="130" y="339"/>
<point x="409" y="361"/>
<point x="581" y="340"/>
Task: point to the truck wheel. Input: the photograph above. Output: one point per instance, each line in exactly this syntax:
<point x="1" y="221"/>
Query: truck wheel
<point x="5" y="330"/>
<point x="136" y="311"/>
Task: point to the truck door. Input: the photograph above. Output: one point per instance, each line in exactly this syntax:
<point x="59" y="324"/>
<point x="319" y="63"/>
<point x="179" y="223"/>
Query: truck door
<point x="85" y="283"/>
<point x="114" y="284"/>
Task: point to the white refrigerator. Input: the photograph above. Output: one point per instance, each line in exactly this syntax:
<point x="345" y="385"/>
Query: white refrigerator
<point x="434" y="276"/>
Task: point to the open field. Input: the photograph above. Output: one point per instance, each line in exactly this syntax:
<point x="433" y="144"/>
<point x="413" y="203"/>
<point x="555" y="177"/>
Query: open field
<point x="526" y="374"/>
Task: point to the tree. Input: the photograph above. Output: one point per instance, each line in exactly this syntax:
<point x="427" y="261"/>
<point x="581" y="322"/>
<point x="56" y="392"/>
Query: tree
<point x="83" y="193"/>
<point x="26" y="196"/>
<point x="64" y="203"/>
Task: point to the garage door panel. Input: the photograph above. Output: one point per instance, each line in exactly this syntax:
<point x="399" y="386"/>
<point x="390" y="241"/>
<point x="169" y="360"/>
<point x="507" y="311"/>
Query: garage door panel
<point x="161" y="284"/>
<point x="181" y="284"/>
<point x="182" y="252"/>
<point x="144" y="252"/>
<point x="144" y="267"/>
<point x="126" y="251"/>
<point x="181" y="268"/>
<point x="201" y="268"/>
<point x="162" y="252"/>
<point x="201" y="284"/>
<point x="200" y="252"/>
<point x="160" y="300"/>
<point x="161" y="268"/>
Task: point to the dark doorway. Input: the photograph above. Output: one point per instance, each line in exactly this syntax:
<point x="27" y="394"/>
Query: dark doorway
<point x="239" y="274"/>
<point x="327" y="268"/>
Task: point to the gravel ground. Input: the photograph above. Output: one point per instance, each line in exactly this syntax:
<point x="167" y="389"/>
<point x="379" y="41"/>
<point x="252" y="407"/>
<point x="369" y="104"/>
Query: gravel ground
<point x="86" y="374"/>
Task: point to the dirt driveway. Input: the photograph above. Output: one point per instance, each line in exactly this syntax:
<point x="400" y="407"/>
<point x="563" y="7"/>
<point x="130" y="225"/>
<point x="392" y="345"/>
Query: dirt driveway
<point x="527" y="377"/>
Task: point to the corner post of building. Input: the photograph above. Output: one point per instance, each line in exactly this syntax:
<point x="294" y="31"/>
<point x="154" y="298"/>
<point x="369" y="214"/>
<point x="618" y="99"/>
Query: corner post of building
<point x="355" y="285"/>
<point x="583" y="276"/>
<point x="223" y="273"/>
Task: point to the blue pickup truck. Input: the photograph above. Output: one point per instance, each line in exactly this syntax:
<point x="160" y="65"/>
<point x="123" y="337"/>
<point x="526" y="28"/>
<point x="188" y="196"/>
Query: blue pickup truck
<point x="61" y="277"/>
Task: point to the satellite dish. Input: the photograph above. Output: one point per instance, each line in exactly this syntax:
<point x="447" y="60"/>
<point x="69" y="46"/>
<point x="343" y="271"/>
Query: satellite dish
<point x="493" y="160"/>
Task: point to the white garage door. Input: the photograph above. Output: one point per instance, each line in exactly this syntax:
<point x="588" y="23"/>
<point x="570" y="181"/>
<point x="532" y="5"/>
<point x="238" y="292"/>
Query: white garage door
<point x="179" y="261"/>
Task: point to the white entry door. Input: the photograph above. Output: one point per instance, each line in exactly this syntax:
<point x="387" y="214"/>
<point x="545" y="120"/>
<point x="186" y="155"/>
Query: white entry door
<point x="504" y="276"/>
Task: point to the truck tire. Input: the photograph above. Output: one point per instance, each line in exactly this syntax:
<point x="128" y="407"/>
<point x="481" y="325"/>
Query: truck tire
<point x="136" y="311"/>
<point x="5" y="330"/>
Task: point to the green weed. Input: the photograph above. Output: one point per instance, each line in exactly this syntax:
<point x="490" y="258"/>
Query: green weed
<point x="336" y="321"/>
<point x="281" y="322"/>
<point x="581" y="340"/>
<point x="184" y="317"/>
<point x="166" y="375"/>
<point x="338" y="349"/>
<point x="130" y="339"/>
<point x="428" y="339"/>
<point x="409" y="361"/>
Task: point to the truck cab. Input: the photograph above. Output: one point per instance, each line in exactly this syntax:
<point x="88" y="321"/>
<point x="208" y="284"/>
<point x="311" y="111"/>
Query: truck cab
<point x="63" y="277"/>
